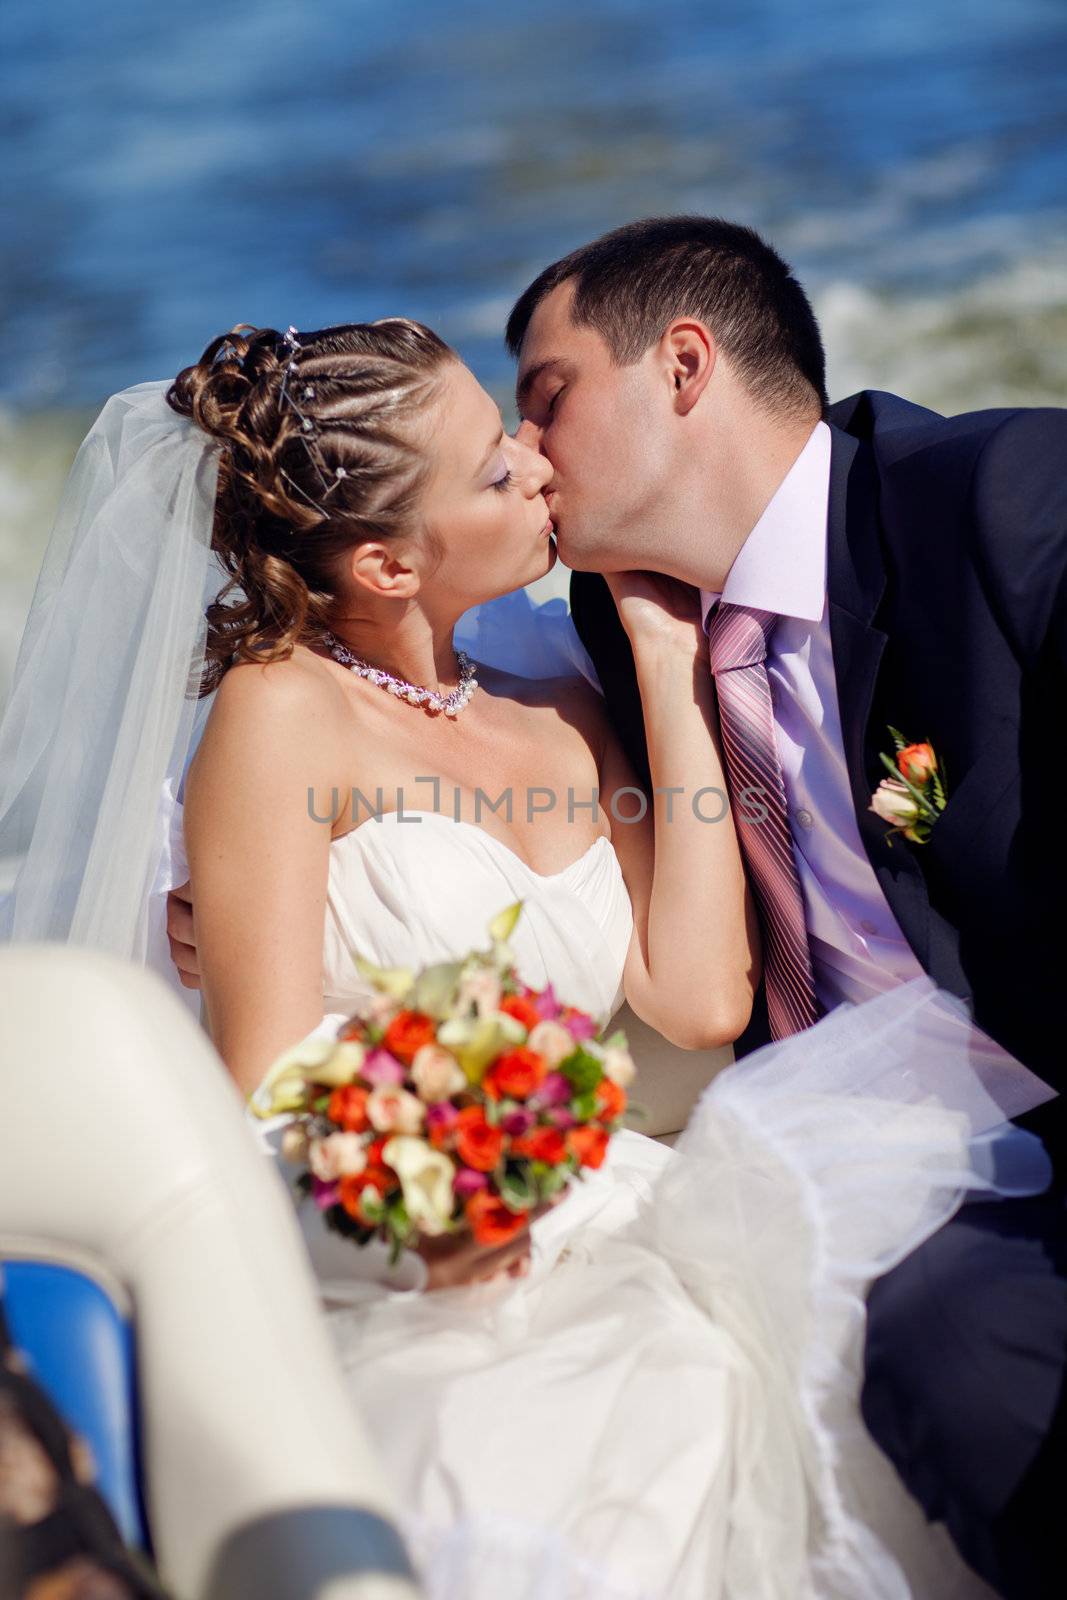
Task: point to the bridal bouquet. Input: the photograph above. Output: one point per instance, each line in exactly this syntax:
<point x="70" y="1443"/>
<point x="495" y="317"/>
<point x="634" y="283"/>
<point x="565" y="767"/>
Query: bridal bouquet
<point x="455" y="1098"/>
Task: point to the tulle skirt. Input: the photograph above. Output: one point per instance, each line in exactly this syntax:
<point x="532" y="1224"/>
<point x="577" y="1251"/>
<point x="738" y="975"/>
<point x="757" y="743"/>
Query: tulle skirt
<point x="668" y="1405"/>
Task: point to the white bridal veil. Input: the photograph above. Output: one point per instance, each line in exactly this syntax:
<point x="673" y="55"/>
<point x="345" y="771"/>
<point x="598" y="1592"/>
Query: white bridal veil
<point x="103" y="709"/>
<point x="103" y="716"/>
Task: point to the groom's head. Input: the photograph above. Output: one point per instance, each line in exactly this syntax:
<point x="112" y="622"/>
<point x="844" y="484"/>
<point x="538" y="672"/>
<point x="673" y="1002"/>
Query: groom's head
<point x="645" y="360"/>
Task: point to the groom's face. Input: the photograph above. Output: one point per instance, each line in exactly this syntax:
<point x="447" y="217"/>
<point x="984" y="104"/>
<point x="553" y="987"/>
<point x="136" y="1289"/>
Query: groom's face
<point x="602" y="428"/>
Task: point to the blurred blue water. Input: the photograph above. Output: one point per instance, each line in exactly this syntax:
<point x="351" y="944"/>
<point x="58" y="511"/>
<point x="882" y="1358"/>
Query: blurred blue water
<point x="173" y="170"/>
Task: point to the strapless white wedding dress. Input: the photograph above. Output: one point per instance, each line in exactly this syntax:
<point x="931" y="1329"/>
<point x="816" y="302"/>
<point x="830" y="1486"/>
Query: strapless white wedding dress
<point x="666" y="1407"/>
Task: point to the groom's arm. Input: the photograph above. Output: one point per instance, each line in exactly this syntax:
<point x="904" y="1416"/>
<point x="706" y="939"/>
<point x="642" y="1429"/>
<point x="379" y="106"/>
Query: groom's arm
<point x="1019" y="500"/>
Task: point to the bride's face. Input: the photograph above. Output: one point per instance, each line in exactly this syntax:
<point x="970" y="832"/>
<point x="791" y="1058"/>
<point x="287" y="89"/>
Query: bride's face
<point x="483" y="506"/>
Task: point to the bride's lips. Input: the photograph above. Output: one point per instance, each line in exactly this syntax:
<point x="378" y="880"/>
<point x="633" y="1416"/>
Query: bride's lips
<point x="549" y="527"/>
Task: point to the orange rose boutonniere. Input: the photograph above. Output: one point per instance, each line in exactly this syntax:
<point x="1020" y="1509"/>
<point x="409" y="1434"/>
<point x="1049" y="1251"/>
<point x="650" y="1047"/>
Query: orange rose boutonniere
<point x="913" y="797"/>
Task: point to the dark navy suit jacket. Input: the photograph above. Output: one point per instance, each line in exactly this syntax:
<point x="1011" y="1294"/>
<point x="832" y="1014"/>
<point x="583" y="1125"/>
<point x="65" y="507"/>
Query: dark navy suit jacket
<point x="947" y="583"/>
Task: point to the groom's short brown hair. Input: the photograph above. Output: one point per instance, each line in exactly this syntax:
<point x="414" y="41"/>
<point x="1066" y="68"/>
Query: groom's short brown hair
<point x="632" y="283"/>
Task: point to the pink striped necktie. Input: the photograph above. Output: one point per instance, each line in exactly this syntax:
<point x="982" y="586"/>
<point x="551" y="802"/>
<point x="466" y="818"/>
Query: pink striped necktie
<point x="738" y="644"/>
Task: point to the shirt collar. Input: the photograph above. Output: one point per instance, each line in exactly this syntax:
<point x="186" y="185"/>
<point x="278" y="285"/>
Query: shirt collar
<point x="781" y="567"/>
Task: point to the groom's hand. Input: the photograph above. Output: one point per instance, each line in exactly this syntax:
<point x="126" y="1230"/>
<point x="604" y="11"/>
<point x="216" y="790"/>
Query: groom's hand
<point x="181" y="936"/>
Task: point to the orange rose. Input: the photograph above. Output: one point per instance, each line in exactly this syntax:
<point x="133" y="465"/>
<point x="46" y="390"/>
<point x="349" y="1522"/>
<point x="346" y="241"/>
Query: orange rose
<point x="352" y="1186"/>
<point x="917" y="762"/>
<point x="375" y="1155"/>
<point x="588" y="1145"/>
<point x="610" y="1099"/>
<point x="408" y="1032"/>
<point x="541" y="1144"/>
<point x="348" y="1108"/>
<point x="491" y="1221"/>
<point x="516" y="1074"/>
<point x="522" y="1008"/>
<point x="478" y="1144"/>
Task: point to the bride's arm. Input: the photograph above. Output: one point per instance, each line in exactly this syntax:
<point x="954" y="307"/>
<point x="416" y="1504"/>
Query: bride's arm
<point x="693" y="964"/>
<point x="259" y="862"/>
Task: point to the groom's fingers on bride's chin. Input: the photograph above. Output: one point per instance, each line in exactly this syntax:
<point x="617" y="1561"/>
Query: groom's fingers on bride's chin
<point x="184" y="958"/>
<point x="179" y="921"/>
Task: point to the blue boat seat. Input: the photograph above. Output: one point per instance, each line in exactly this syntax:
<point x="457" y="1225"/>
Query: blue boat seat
<point x="72" y="1321"/>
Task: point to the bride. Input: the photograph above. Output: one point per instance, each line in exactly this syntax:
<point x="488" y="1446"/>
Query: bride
<point x="665" y="1403"/>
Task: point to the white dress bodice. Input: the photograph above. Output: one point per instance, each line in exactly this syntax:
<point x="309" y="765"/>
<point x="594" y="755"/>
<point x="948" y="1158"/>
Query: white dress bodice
<point x="406" y="892"/>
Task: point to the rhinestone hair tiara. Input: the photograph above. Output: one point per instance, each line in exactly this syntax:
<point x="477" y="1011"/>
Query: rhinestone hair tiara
<point x="308" y="429"/>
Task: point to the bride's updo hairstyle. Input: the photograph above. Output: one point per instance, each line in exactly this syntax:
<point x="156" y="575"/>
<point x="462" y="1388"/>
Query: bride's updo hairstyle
<point x="318" y="454"/>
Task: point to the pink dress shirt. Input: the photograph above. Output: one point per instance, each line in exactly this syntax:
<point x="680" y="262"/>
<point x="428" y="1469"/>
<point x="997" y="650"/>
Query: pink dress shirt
<point x="857" y="947"/>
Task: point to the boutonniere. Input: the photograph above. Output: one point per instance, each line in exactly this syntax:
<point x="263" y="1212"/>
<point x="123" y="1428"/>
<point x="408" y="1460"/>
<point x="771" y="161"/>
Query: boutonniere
<point x="913" y="797"/>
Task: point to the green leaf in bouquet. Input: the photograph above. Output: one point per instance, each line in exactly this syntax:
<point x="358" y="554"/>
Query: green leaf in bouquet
<point x="516" y="1190"/>
<point x="396" y="982"/>
<point x="582" y="1069"/>
<point x="505" y="922"/>
<point x="617" y="1041"/>
<point x="584" y="1106"/>
<point x="434" y="991"/>
<point x="322" y="1104"/>
<point x="550" y="1179"/>
<point x="398" y="1229"/>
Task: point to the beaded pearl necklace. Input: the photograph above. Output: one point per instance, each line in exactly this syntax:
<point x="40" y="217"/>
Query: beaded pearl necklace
<point x="451" y="704"/>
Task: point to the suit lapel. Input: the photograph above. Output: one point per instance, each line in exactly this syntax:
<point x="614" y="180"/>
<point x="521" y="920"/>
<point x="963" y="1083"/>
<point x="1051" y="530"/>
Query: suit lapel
<point x="856" y="582"/>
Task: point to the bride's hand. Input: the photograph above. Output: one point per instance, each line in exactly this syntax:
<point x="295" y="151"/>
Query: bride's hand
<point x="658" y="611"/>
<point x="455" y="1260"/>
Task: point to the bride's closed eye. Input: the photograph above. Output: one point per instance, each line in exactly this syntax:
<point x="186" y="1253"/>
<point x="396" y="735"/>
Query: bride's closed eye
<point x="503" y="483"/>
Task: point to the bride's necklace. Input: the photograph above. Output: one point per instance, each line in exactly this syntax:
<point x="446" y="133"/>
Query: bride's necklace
<point x="451" y="704"/>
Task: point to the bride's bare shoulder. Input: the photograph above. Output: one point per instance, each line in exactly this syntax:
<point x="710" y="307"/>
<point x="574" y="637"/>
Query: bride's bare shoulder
<point x="569" y="697"/>
<point x="282" y="710"/>
<point x="303" y="680"/>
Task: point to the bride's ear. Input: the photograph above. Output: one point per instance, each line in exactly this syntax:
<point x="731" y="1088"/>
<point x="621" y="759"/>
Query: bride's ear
<point x="381" y="569"/>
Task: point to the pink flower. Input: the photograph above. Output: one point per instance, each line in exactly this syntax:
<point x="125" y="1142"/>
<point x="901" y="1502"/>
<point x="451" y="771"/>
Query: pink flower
<point x="479" y="990"/>
<point x="467" y="1181"/>
<point x="437" y="1073"/>
<point x="336" y="1156"/>
<point x="552" y="1042"/>
<point x="561" y="1117"/>
<point x="379" y="1067"/>
<point x="578" y="1025"/>
<point x="548" y="1007"/>
<point x="324" y="1195"/>
<point x="517" y="1123"/>
<point x="555" y="1090"/>
<point x="894" y="803"/>
<point x="394" y="1110"/>
<point x="442" y="1114"/>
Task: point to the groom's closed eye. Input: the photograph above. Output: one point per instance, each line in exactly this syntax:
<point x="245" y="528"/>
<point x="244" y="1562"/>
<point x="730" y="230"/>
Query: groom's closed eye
<point x="544" y="372"/>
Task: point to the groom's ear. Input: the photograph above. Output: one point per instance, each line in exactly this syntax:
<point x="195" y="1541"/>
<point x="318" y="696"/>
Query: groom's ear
<point x="689" y="352"/>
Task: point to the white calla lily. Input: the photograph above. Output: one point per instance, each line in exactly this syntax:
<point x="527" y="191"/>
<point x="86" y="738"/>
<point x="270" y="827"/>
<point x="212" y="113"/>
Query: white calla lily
<point x="426" y="1180"/>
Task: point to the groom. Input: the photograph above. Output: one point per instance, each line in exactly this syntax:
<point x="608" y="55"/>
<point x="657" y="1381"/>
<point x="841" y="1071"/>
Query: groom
<point x="860" y="565"/>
